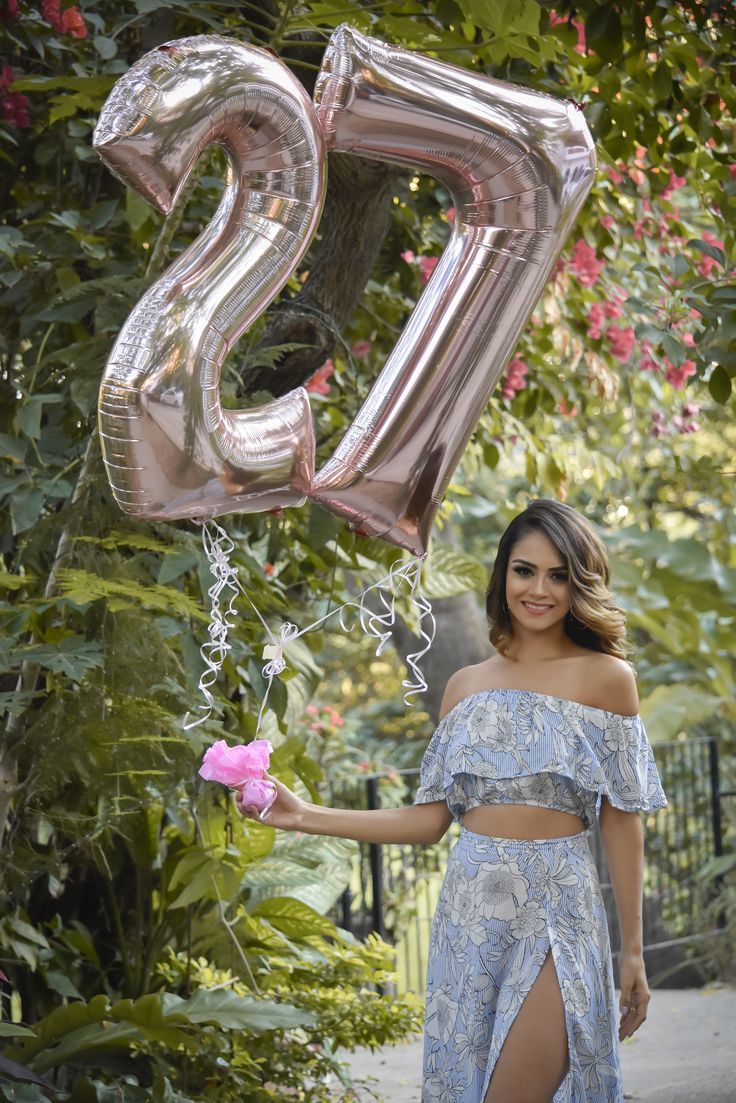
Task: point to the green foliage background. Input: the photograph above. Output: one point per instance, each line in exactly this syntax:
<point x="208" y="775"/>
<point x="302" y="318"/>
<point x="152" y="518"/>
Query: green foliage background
<point x="152" y="946"/>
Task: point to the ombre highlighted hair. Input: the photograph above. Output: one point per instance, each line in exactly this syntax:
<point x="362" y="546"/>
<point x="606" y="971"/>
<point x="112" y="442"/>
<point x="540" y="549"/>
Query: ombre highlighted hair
<point x="595" y="620"/>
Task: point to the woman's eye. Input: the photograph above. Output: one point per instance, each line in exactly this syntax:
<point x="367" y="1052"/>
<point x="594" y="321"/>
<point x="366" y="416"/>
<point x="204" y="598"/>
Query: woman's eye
<point x="559" y="577"/>
<point x="521" y="570"/>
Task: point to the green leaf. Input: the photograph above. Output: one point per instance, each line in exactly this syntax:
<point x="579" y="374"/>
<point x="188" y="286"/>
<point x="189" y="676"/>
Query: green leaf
<point x="25" y="509"/>
<point x="293" y="918"/>
<point x="709" y="250"/>
<point x="106" y="47"/>
<point x="671" y="709"/>
<point x="82" y="587"/>
<point x="233" y="1012"/>
<point x="719" y="385"/>
<point x="449" y="572"/>
<point x="604" y="34"/>
<point x="72" y="656"/>
<point x="12" y="1030"/>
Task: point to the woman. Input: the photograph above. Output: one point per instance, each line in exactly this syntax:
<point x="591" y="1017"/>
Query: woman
<point x="532" y="745"/>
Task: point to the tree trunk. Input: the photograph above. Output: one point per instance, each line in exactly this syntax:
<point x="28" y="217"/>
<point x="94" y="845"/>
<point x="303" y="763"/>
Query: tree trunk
<point x="355" y="222"/>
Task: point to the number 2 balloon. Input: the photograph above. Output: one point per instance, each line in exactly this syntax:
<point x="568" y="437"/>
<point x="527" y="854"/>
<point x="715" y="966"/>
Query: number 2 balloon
<point x="518" y="166"/>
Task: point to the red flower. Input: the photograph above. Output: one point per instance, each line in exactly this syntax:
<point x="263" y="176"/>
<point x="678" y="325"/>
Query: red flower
<point x="13" y="105"/>
<point x="361" y="349"/>
<point x="596" y="314"/>
<point x="708" y="263"/>
<point x="585" y="264"/>
<point x="50" y="12"/>
<point x="514" y="379"/>
<point x="622" y="341"/>
<point x="318" y="383"/>
<point x="678" y="376"/>
<point x="9" y="11"/>
<point x="268" y="569"/>
<point x="566" y="409"/>
<point x="427" y="266"/>
<point x="72" y="22"/>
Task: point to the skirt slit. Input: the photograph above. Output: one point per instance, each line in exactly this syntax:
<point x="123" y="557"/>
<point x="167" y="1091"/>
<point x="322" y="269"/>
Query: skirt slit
<point x="504" y="904"/>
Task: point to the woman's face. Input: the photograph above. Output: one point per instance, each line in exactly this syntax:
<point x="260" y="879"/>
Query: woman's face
<point x="537" y="582"/>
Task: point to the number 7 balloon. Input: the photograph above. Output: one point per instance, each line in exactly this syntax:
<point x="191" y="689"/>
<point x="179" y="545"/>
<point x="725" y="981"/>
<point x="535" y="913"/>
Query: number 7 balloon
<point x="518" y="165"/>
<point x="170" y="448"/>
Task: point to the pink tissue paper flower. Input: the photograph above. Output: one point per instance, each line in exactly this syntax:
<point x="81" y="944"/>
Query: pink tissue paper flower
<point x="256" y="793"/>
<point x="234" y="766"/>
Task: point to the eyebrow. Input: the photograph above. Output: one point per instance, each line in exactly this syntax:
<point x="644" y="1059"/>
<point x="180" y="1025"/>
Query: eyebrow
<point x="527" y="563"/>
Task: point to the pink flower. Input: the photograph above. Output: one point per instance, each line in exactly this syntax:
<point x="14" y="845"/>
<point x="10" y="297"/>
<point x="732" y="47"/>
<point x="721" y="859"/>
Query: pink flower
<point x="596" y="314"/>
<point x="312" y="710"/>
<point x="407" y="256"/>
<point x="514" y="379"/>
<point x="427" y="266"/>
<point x="678" y="376"/>
<point x="72" y="22"/>
<point x="361" y="349"/>
<point x="50" y="12"/>
<point x="450" y="215"/>
<point x="615" y="177"/>
<point x="612" y="310"/>
<point x="708" y="263"/>
<point x="657" y="425"/>
<point x="732" y="170"/>
<point x="366" y="766"/>
<point x="585" y="264"/>
<point x="234" y="765"/>
<point x="13" y="105"/>
<point x="9" y="11"/>
<point x="566" y="409"/>
<point x="318" y="383"/>
<point x="622" y="341"/>
<point x="257" y="793"/>
<point x="608" y="221"/>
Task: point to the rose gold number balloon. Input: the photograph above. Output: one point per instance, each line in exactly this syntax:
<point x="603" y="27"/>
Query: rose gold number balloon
<point x="518" y="166"/>
<point x="170" y="448"/>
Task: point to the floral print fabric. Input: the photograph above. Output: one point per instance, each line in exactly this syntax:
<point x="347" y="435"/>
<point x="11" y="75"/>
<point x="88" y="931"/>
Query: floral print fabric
<point x="491" y="740"/>
<point x="504" y="904"/>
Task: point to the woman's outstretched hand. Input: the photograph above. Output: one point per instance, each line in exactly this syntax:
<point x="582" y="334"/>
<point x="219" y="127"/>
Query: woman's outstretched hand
<point x="286" y="812"/>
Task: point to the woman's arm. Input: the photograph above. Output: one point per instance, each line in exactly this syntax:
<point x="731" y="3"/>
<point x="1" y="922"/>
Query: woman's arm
<point x="415" y="823"/>
<point x="623" y="841"/>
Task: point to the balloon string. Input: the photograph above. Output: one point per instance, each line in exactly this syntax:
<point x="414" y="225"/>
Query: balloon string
<point x="218" y="547"/>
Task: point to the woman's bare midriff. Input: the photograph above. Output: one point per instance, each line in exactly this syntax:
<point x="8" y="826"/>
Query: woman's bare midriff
<point x="521" y="821"/>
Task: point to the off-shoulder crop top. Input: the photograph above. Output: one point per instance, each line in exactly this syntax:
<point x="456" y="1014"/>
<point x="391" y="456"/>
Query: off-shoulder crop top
<point x="516" y="746"/>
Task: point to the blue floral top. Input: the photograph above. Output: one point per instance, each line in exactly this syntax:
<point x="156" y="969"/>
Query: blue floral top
<point x="516" y="746"/>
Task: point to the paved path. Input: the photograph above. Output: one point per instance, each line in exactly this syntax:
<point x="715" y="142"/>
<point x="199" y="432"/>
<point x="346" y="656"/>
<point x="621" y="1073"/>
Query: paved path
<point x="684" y="1053"/>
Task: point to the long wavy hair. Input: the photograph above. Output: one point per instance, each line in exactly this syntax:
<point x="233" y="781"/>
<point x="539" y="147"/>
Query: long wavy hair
<point x="594" y="620"/>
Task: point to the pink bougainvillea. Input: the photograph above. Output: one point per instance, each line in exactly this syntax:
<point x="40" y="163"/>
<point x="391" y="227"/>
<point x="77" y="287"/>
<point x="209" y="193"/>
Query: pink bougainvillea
<point x="678" y="376"/>
<point x="707" y="264"/>
<point x="585" y="264"/>
<point x="621" y="341"/>
<point x="9" y="11"/>
<point x="514" y="379"/>
<point x="361" y="349"/>
<point x="427" y="266"/>
<point x="318" y="383"/>
<point x="13" y="105"/>
<point x="596" y="314"/>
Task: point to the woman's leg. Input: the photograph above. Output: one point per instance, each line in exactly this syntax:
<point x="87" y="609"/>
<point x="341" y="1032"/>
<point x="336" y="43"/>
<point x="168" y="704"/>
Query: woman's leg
<point x="534" y="1056"/>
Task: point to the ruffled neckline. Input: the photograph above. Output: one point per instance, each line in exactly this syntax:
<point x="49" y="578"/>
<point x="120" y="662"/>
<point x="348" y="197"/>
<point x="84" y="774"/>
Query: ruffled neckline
<point x="541" y="697"/>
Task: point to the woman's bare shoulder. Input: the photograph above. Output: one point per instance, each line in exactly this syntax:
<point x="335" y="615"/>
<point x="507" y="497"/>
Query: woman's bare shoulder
<point x="464" y="682"/>
<point x="615" y="683"/>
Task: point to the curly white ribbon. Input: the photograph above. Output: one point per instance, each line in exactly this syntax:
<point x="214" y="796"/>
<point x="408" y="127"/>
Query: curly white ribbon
<point x="218" y="547"/>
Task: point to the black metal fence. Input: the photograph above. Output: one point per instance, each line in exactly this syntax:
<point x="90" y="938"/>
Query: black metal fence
<point x="394" y="888"/>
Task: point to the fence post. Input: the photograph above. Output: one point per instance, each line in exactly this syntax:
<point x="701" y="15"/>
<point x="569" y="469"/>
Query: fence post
<point x="715" y="789"/>
<point x="376" y="863"/>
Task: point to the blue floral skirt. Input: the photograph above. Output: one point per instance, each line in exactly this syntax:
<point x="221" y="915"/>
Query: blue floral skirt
<point x="504" y="903"/>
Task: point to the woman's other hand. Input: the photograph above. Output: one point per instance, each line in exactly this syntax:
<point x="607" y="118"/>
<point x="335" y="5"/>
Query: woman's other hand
<point x="286" y="812"/>
<point x="634" y="993"/>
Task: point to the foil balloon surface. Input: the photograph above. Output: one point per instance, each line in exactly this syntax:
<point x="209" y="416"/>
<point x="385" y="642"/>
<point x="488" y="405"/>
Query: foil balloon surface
<point x="170" y="448"/>
<point x="518" y="165"/>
